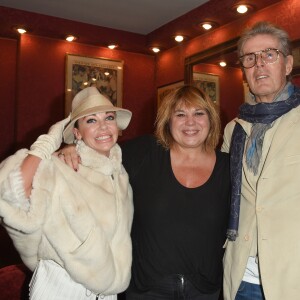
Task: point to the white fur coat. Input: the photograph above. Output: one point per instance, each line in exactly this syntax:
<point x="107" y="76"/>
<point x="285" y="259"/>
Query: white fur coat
<point x="81" y="220"/>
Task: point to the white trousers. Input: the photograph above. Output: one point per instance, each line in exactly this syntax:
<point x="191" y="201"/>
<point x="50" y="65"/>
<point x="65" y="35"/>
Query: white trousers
<point x="51" y="282"/>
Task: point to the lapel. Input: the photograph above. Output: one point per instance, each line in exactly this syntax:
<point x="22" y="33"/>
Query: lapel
<point x="284" y="132"/>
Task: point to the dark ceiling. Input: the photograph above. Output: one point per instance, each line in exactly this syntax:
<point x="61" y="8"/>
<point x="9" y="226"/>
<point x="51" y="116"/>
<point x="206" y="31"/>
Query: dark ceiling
<point x="220" y="12"/>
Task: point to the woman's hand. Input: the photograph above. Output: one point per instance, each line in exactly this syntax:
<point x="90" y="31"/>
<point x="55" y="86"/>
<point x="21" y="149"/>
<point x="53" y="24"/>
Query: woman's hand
<point x="69" y="156"/>
<point x="46" y="144"/>
<point x="42" y="148"/>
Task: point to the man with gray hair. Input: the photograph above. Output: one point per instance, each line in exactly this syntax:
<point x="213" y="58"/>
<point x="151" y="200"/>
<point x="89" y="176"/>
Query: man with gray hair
<point x="262" y="256"/>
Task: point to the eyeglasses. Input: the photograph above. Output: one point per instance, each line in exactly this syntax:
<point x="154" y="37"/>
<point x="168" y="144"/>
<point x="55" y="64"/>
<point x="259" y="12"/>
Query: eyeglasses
<point x="268" y="56"/>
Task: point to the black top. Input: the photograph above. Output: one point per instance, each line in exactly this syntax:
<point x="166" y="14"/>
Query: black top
<point x="176" y="230"/>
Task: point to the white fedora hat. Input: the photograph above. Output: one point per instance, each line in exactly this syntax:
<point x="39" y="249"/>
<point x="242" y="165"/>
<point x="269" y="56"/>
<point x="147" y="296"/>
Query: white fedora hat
<point x="90" y="101"/>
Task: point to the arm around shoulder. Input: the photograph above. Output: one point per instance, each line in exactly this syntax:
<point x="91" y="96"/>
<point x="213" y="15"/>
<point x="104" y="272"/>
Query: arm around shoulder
<point x="28" y="169"/>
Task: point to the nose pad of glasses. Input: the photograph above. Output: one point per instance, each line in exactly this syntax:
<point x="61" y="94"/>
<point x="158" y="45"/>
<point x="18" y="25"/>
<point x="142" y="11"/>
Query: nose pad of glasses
<point x="259" y="59"/>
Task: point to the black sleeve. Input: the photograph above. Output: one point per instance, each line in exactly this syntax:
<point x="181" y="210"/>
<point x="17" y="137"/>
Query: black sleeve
<point x="134" y="153"/>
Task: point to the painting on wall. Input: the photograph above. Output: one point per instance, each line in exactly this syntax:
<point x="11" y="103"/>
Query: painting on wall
<point x="296" y="66"/>
<point x="165" y="89"/>
<point x="105" y="74"/>
<point x="208" y="83"/>
<point x="296" y="56"/>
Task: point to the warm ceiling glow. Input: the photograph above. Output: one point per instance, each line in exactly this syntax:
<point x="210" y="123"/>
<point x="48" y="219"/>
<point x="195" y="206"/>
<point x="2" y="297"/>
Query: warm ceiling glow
<point x="242" y="9"/>
<point x="112" y="46"/>
<point x="21" y="30"/>
<point x="70" y="38"/>
<point x="222" y="64"/>
<point x="206" y="26"/>
<point x="155" y="49"/>
<point x="179" y="38"/>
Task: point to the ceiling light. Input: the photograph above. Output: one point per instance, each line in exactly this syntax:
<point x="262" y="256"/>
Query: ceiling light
<point x="207" y="25"/>
<point x="21" y="30"/>
<point x="179" y="38"/>
<point x="222" y="64"/>
<point x="70" y="38"/>
<point x="242" y="9"/>
<point x="155" y="49"/>
<point x="112" y="46"/>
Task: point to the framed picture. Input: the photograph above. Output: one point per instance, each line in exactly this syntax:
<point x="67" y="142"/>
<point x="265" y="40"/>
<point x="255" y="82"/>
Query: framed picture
<point x="165" y="89"/>
<point x="105" y="74"/>
<point x="296" y="56"/>
<point x="296" y="66"/>
<point x="209" y="84"/>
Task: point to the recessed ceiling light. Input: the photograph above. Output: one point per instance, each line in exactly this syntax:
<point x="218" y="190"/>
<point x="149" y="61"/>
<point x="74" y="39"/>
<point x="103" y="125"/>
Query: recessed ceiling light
<point x="155" y="49"/>
<point x="179" y="38"/>
<point x="207" y="26"/>
<point x="242" y="9"/>
<point x="70" y="38"/>
<point x="222" y="64"/>
<point x="112" y="46"/>
<point x="21" y="30"/>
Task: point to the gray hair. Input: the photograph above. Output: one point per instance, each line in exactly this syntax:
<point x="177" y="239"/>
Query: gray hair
<point x="266" y="28"/>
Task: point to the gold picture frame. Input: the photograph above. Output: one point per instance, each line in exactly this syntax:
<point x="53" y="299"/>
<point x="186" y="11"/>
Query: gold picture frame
<point x="209" y="84"/>
<point x="165" y="89"/>
<point x="103" y="73"/>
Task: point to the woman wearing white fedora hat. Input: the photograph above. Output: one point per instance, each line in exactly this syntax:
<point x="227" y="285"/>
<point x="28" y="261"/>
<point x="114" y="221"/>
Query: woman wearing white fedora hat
<point x="72" y="228"/>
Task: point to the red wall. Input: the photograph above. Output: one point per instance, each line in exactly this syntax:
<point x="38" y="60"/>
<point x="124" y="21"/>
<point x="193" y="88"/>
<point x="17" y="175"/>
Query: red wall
<point x="32" y="82"/>
<point x="8" y="53"/>
<point x="170" y="63"/>
<point x="33" y="77"/>
<point x="42" y="84"/>
<point x="39" y="83"/>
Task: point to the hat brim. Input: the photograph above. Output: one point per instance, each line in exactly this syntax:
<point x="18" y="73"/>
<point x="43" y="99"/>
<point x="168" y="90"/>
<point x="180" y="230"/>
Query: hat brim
<point x="123" y="119"/>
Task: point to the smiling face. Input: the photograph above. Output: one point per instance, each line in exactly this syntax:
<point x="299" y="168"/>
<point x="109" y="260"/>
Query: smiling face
<point x="266" y="80"/>
<point x="98" y="131"/>
<point x="189" y="126"/>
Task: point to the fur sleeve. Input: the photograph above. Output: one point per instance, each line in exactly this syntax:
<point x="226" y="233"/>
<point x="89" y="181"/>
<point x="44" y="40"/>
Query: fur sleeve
<point x="12" y="190"/>
<point x="13" y="200"/>
<point x="15" y="210"/>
